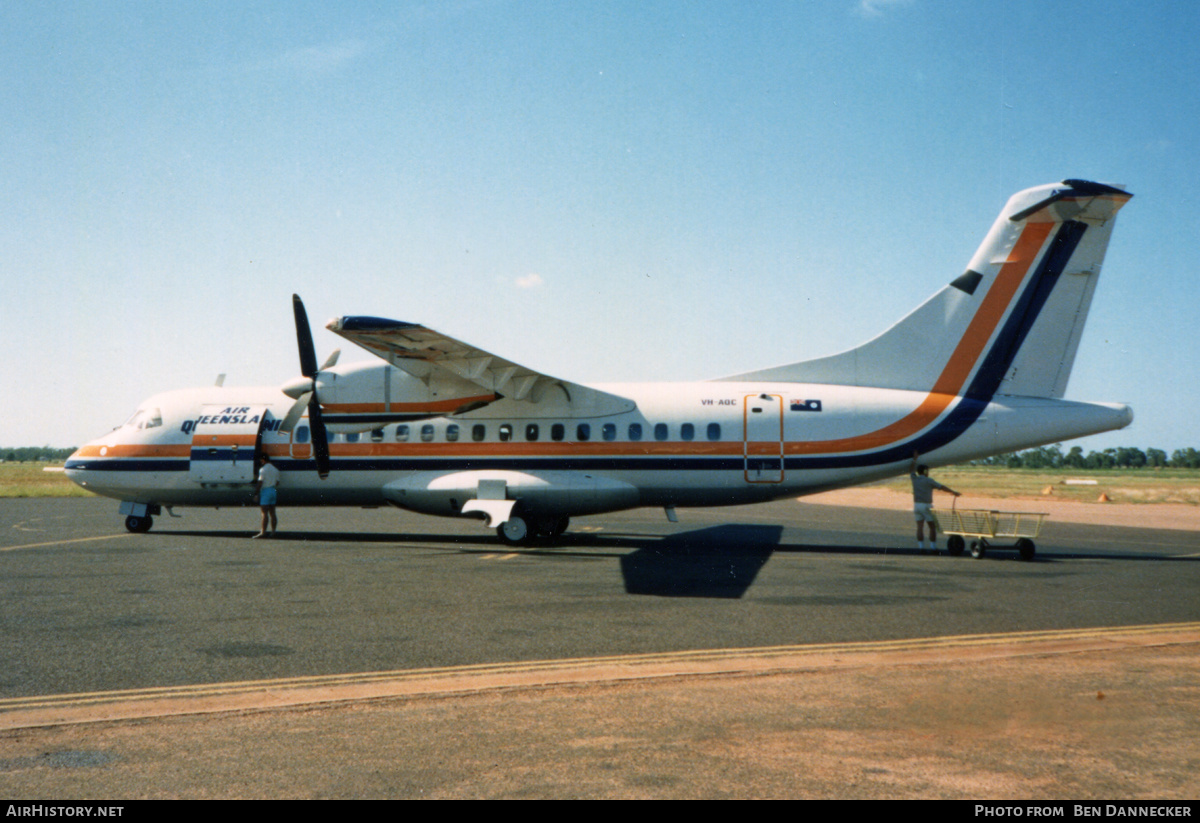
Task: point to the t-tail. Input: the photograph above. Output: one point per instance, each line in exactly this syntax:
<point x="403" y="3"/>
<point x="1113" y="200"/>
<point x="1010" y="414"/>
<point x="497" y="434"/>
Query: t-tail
<point x="1009" y="325"/>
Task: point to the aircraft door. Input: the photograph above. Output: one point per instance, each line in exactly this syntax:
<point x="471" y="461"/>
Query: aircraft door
<point x="224" y="442"/>
<point x="762" y="445"/>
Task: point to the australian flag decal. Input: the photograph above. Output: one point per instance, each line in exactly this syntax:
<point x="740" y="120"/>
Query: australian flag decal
<point x="806" y="405"/>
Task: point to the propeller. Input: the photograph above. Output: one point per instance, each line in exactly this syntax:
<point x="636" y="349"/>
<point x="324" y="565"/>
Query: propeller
<point x="305" y="389"/>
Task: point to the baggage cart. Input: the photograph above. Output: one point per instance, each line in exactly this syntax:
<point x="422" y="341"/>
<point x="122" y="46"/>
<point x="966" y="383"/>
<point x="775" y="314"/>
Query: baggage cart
<point x="984" y="525"/>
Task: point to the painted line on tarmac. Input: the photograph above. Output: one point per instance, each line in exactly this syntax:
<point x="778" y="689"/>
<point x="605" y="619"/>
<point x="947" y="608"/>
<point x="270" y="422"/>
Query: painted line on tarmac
<point x="328" y="690"/>
<point x="60" y="542"/>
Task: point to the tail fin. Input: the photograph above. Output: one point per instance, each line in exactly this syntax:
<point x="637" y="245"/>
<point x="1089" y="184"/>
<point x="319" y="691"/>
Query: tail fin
<point x="1010" y="324"/>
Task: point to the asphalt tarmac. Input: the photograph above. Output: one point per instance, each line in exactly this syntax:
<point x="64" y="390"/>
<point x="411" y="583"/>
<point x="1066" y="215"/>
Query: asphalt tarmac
<point x="87" y="608"/>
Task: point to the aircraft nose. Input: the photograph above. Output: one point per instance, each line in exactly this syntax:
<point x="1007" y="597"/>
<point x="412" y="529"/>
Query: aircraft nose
<point x="75" y="467"/>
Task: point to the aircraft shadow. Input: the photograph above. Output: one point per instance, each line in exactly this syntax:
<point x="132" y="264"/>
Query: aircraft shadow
<point x="720" y="561"/>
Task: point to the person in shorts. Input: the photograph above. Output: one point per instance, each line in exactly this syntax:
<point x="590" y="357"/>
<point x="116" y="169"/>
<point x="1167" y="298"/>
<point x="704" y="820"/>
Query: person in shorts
<point x="923" y="486"/>
<point x="268" y="483"/>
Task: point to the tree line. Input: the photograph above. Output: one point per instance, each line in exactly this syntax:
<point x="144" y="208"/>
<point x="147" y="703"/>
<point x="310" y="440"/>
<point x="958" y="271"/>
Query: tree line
<point x="1124" y="457"/>
<point x="34" y="454"/>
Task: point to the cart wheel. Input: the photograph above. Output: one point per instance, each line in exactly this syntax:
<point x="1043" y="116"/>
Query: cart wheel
<point x="1026" y="548"/>
<point x="978" y="547"/>
<point x="955" y="545"/>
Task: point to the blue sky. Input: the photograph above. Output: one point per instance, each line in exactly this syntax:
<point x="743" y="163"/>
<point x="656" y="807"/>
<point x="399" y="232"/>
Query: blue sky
<point x="599" y="190"/>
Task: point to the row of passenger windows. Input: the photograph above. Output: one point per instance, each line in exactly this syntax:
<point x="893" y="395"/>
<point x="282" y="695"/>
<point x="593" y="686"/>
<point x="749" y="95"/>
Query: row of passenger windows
<point x="505" y="432"/>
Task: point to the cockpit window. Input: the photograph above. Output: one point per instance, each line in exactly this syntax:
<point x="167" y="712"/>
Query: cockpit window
<point x="145" y="419"/>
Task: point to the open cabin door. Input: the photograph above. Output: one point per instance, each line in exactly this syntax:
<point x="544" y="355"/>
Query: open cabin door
<point x="225" y="444"/>
<point x="763" y="438"/>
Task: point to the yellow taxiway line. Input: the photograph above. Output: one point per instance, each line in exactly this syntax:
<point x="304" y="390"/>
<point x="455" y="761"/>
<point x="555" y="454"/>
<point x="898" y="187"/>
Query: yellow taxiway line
<point x="261" y="695"/>
<point x="60" y="542"/>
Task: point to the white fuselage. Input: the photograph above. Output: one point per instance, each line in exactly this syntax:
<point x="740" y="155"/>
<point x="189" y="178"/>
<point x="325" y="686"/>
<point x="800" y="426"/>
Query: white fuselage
<point x="683" y="444"/>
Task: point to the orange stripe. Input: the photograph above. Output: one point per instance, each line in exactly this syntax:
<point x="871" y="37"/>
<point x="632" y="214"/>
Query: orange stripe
<point x="966" y="354"/>
<point x="132" y="450"/>
<point x="538" y="449"/>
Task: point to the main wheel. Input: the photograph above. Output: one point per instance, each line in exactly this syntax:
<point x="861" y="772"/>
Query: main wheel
<point x="549" y="526"/>
<point x="978" y="547"/>
<point x="138" y="525"/>
<point x="955" y="545"/>
<point x="1026" y="548"/>
<point x="514" y="531"/>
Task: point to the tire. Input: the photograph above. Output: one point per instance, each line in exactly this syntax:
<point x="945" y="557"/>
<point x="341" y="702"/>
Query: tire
<point x="1026" y="548"/>
<point x="514" y="531"/>
<point x="138" y="525"/>
<point x="978" y="549"/>
<point x="553" y="526"/>
<point x="955" y="545"/>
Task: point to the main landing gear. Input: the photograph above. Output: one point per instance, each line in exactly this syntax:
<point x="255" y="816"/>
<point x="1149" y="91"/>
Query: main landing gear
<point x="521" y="529"/>
<point x="139" y="524"/>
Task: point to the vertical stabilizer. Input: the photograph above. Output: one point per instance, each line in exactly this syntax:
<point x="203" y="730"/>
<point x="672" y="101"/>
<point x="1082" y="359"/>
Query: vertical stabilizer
<point x="1010" y="324"/>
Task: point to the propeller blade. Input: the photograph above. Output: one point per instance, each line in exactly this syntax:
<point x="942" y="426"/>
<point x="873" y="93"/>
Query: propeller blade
<point x="304" y="339"/>
<point x="320" y="438"/>
<point x="308" y="367"/>
<point x="331" y="360"/>
<point x="295" y="412"/>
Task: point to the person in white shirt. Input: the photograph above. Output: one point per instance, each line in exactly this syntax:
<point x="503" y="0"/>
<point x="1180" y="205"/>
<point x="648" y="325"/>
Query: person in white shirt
<point x="268" y="481"/>
<point x="923" y="486"/>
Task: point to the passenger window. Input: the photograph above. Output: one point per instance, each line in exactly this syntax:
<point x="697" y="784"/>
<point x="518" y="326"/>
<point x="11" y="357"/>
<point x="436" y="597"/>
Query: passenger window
<point x="609" y="431"/>
<point x="376" y="435"/>
<point x="558" y="431"/>
<point x="635" y="431"/>
<point x="661" y="432"/>
<point x="301" y="434"/>
<point x="531" y="431"/>
<point x="427" y="433"/>
<point x="583" y="432"/>
<point x="478" y="432"/>
<point x="353" y="437"/>
<point x="505" y="432"/>
<point x="714" y="431"/>
<point x="687" y="432"/>
<point x="452" y="433"/>
<point x="401" y="434"/>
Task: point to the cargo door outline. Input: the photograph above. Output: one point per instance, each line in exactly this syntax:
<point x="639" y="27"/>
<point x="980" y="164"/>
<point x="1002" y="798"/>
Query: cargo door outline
<point x="762" y="438"/>
<point x="225" y="444"/>
<point x="300" y="441"/>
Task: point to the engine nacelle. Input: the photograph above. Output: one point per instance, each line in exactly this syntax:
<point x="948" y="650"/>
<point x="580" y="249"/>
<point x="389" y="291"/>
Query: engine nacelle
<point x="359" y="397"/>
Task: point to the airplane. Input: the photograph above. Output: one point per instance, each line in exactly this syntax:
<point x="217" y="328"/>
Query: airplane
<point x="438" y="426"/>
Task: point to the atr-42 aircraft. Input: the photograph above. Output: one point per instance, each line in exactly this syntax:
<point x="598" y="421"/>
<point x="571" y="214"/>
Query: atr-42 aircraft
<point x="441" y="427"/>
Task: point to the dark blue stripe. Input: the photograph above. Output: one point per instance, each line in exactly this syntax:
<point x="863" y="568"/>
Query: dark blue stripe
<point x="128" y="464"/>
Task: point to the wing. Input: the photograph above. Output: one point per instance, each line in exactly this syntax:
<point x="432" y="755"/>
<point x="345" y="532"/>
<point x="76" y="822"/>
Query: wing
<point x="435" y="357"/>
